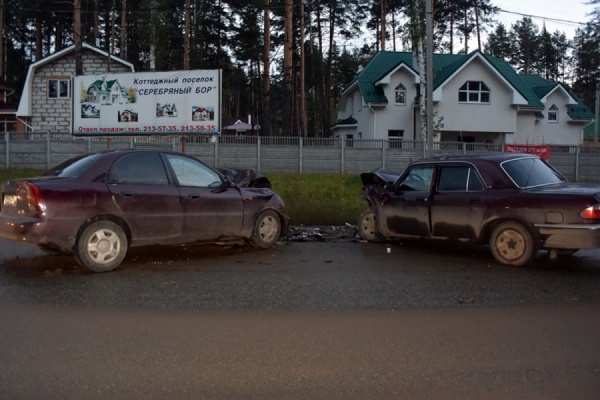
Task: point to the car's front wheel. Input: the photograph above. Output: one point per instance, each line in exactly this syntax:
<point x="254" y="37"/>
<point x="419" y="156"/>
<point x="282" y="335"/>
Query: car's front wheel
<point x="367" y="226"/>
<point x="513" y="244"/>
<point x="267" y="229"/>
<point x="101" y="246"/>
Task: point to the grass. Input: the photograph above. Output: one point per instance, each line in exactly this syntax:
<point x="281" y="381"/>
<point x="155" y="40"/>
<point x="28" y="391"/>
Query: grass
<point x="320" y="199"/>
<point x="310" y="199"/>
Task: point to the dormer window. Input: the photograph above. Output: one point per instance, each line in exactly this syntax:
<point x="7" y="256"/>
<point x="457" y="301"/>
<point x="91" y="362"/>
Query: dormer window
<point x="400" y="94"/>
<point x="474" y="92"/>
<point x="553" y="113"/>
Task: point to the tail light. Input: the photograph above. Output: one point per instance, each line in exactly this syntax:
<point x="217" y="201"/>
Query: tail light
<point x="30" y="201"/>
<point x="592" y="212"/>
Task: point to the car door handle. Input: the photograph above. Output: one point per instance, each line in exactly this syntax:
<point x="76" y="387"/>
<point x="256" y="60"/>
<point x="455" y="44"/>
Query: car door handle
<point x="475" y="200"/>
<point x="193" y="195"/>
<point x="126" y="194"/>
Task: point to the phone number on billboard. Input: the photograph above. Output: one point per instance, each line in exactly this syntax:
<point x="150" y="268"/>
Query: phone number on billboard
<point x="183" y="128"/>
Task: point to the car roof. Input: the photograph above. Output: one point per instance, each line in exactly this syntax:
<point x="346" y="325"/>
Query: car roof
<point x="489" y="156"/>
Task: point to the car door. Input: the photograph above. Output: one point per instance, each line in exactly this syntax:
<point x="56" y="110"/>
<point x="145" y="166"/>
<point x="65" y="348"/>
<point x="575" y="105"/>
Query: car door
<point x="150" y="204"/>
<point x="211" y="209"/>
<point x="406" y="211"/>
<point x="457" y="205"/>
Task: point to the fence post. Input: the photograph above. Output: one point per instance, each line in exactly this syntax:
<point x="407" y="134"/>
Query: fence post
<point x="577" y="160"/>
<point x="301" y="155"/>
<point x="216" y="147"/>
<point x="258" y="154"/>
<point x="7" y="135"/>
<point x="383" y="145"/>
<point x="47" y="150"/>
<point x="343" y="152"/>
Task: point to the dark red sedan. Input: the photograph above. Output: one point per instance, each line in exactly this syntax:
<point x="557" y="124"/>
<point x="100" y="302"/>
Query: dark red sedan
<point x="518" y="203"/>
<point x="97" y="205"/>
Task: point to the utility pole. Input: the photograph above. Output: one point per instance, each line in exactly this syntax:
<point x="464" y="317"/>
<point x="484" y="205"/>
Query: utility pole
<point x="597" y="124"/>
<point x="429" y="74"/>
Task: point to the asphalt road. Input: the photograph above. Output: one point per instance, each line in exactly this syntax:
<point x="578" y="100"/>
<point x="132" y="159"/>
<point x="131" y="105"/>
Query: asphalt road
<point x="305" y="320"/>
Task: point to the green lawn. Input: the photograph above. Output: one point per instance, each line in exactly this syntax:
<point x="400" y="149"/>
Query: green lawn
<point x="310" y="199"/>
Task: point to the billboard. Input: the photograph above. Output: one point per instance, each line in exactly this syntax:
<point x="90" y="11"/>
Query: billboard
<point x="542" y="151"/>
<point x="147" y="103"/>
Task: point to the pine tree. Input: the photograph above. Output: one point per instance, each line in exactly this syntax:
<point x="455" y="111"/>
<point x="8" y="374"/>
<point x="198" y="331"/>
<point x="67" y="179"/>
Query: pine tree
<point x="500" y="44"/>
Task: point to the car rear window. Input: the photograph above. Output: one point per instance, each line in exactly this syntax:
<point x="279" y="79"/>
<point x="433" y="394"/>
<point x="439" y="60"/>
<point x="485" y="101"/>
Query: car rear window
<point x="72" y="167"/>
<point x="530" y="172"/>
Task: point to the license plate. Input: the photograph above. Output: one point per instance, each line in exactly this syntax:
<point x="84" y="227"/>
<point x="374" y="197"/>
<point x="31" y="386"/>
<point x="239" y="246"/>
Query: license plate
<point x="10" y="200"/>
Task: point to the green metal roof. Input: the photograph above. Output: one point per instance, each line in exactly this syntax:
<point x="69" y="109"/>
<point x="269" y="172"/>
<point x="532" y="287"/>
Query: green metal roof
<point x="532" y="87"/>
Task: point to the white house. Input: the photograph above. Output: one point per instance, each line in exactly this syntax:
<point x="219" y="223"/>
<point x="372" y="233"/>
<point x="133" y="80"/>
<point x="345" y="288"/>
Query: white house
<point x="477" y="98"/>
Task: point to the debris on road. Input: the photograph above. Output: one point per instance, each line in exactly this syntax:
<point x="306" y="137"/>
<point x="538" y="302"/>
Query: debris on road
<point x="300" y="233"/>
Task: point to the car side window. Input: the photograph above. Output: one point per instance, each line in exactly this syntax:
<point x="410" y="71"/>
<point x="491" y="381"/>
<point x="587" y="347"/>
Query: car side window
<point x="458" y="178"/>
<point x="192" y="173"/>
<point x="418" y="179"/>
<point x="139" y="168"/>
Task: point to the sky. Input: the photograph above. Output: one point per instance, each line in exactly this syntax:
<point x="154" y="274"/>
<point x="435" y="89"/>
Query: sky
<point x="561" y="15"/>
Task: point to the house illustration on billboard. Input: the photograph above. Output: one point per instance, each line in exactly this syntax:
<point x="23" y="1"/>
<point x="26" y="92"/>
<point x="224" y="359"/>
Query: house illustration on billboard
<point x="107" y="92"/>
<point x="203" y="113"/>
<point x="166" y="110"/>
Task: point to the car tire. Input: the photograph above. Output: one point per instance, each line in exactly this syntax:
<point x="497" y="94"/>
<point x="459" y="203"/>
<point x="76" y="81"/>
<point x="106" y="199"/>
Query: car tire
<point x="367" y="226"/>
<point x="267" y="229"/>
<point x="513" y="244"/>
<point x="101" y="246"/>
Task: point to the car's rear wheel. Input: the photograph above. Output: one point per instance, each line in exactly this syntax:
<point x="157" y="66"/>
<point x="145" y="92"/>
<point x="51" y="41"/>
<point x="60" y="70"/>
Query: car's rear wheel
<point x="513" y="244"/>
<point x="267" y="229"/>
<point x="101" y="246"/>
<point x="367" y="226"/>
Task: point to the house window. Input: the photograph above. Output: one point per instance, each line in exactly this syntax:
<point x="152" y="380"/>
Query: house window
<point x="474" y="92"/>
<point x="553" y="114"/>
<point x="59" y="88"/>
<point x="401" y="94"/>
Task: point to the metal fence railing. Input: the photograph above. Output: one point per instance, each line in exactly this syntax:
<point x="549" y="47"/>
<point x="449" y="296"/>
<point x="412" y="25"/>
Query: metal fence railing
<point x="277" y="154"/>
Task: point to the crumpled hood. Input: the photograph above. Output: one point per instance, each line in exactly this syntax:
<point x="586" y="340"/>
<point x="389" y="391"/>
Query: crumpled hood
<point x="379" y="177"/>
<point x="246" y="178"/>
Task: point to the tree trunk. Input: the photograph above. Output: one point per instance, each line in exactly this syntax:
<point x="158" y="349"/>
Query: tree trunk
<point x="303" y="117"/>
<point x="288" y="106"/>
<point x="477" y="24"/>
<point x="328" y="73"/>
<point x="123" y="51"/>
<point x="266" y="97"/>
<point x="383" y="14"/>
<point x="186" y="38"/>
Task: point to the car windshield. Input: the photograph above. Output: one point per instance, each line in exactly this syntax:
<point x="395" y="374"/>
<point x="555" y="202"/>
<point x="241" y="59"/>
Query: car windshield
<point x="72" y="167"/>
<point x="530" y="172"/>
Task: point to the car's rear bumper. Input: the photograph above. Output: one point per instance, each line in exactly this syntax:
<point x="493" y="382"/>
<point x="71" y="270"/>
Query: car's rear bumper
<point x="18" y="228"/>
<point x="570" y="236"/>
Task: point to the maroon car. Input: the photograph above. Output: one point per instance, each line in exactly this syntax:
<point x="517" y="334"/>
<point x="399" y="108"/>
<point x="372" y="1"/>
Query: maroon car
<point x="517" y="203"/>
<point x="97" y="205"/>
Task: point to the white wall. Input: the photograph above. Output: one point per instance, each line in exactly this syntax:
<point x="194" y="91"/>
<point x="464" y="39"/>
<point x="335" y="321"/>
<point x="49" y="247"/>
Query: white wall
<point x="497" y="116"/>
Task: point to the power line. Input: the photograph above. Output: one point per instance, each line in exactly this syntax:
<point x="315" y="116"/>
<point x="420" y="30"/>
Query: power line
<point x="557" y="20"/>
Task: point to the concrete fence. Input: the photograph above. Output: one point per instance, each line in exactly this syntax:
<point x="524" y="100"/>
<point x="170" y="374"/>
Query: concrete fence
<point x="287" y="155"/>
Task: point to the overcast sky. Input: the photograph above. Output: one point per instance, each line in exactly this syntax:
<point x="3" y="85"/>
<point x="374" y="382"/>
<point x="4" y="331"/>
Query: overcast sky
<point x="561" y="15"/>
